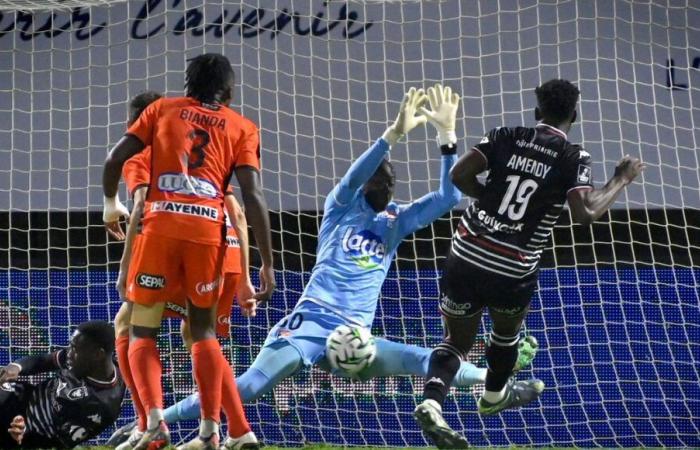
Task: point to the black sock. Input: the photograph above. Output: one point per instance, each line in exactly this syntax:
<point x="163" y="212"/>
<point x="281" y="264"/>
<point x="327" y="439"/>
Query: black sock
<point x="501" y="355"/>
<point x="444" y="364"/>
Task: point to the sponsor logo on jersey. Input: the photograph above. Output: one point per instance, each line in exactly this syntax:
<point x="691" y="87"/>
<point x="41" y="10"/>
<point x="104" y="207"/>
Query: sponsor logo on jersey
<point x="207" y="287"/>
<point x="528" y="165"/>
<point x="232" y="241"/>
<point x="537" y="147"/>
<point x="8" y="386"/>
<point x="148" y="281"/>
<point x="493" y="224"/>
<point x="206" y="212"/>
<point x="365" y="248"/>
<point x="179" y="183"/>
<point x="77" y="393"/>
<point x="584" y="174"/>
<point x="451" y="307"/>
<point x="178" y="309"/>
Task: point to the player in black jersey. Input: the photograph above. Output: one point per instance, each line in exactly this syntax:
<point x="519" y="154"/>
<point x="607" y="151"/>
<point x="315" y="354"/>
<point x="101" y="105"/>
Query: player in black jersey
<point x="81" y="399"/>
<point x="495" y="253"/>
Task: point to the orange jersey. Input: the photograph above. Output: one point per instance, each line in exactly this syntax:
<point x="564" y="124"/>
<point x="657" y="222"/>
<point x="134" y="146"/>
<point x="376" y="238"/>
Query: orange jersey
<point x="195" y="148"/>
<point x="137" y="171"/>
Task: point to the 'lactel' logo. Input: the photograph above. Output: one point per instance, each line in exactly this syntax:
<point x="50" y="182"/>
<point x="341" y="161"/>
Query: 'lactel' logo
<point x="365" y="248"/>
<point x="179" y="183"/>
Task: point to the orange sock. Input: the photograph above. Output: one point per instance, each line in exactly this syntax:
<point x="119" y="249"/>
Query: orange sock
<point x="208" y="364"/>
<point x="147" y="372"/>
<point x="122" y="344"/>
<point x="232" y="404"/>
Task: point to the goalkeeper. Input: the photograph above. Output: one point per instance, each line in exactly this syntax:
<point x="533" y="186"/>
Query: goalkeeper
<point x="358" y="238"/>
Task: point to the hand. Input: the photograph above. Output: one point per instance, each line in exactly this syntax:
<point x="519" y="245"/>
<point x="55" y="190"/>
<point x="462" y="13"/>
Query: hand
<point x="121" y="284"/>
<point x="443" y="113"/>
<point x="267" y="284"/>
<point x="246" y="298"/>
<point x="629" y="168"/>
<point x="9" y="373"/>
<point x="112" y="211"/>
<point x="408" y="117"/>
<point x="17" y="429"/>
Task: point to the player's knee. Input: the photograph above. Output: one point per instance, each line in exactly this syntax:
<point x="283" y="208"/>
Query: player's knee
<point x="502" y="352"/>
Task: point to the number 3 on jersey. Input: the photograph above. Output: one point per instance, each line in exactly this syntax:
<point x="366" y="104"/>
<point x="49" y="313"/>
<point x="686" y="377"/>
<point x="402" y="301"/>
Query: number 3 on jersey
<point x="200" y="139"/>
<point x="516" y="209"/>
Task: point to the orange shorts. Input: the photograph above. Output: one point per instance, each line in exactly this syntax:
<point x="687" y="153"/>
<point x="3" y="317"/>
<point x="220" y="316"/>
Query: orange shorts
<point x="164" y="269"/>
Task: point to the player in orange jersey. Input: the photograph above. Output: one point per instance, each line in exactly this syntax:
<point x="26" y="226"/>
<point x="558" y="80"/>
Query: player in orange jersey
<point x="197" y="143"/>
<point x="136" y="174"/>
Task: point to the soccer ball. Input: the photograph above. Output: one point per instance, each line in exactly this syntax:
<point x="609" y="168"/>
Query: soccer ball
<point x="350" y="348"/>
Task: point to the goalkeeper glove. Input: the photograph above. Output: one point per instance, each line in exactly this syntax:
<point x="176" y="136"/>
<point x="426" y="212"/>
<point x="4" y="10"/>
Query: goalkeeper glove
<point x="112" y="211"/>
<point x="442" y="113"/>
<point x="408" y="117"/>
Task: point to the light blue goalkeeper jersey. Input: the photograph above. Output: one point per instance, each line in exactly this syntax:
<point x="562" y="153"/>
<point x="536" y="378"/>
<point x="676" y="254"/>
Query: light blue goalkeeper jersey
<point x="356" y="245"/>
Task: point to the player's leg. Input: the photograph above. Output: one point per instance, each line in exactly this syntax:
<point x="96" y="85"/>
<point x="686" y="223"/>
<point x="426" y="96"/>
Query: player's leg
<point x="154" y="275"/>
<point x="144" y="361"/>
<point x="121" y="331"/>
<point x="501" y="391"/>
<point x="275" y="362"/>
<point x="396" y="358"/>
<point x="202" y="271"/>
<point x="461" y="308"/>
<point x="238" y="426"/>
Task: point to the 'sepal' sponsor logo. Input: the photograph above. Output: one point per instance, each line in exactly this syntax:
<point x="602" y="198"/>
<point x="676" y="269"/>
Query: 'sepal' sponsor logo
<point x="365" y="248"/>
<point x="205" y="288"/>
<point x="148" y="281"/>
<point x="180" y="183"/>
<point x="177" y="309"/>
<point x="186" y="208"/>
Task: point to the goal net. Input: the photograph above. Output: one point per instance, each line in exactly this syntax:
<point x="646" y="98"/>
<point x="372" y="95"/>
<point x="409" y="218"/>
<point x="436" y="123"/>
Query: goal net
<point x="617" y="314"/>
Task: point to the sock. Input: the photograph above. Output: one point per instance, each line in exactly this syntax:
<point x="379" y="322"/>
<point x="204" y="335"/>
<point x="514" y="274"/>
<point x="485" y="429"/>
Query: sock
<point x="122" y="346"/>
<point x="232" y="405"/>
<point x="494" y="397"/>
<point x="144" y="361"/>
<point x="444" y="363"/>
<point x="469" y="375"/>
<point x="501" y="355"/>
<point x="208" y="363"/>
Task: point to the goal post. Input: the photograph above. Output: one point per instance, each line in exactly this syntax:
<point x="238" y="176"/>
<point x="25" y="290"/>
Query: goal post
<point x="617" y="313"/>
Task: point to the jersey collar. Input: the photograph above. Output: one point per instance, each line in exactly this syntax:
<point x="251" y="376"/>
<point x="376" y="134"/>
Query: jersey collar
<point x="552" y="129"/>
<point x="104" y="383"/>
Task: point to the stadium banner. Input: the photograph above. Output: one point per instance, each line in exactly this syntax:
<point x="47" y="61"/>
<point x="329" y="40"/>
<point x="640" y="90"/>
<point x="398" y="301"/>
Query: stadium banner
<point x="619" y="353"/>
<point x="322" y="79"/>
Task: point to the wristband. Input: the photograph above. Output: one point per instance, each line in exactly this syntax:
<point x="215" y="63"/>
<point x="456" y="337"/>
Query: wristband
<point x="445" y="137"/>
<point x="448" y="149"/>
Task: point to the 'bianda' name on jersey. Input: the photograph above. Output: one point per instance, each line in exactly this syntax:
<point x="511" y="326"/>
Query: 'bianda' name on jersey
<point x="365" y="248"/>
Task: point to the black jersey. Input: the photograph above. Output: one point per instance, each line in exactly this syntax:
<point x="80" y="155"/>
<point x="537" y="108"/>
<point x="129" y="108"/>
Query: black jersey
<point x="530" y="172"/>
<point x="63" y="411"/>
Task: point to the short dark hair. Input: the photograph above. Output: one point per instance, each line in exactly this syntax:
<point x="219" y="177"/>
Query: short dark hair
<point x="140" y="102"/>
<point x="208" y="76"/>
<point x="99" y="333"/>
<point x="557" y="99"/>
